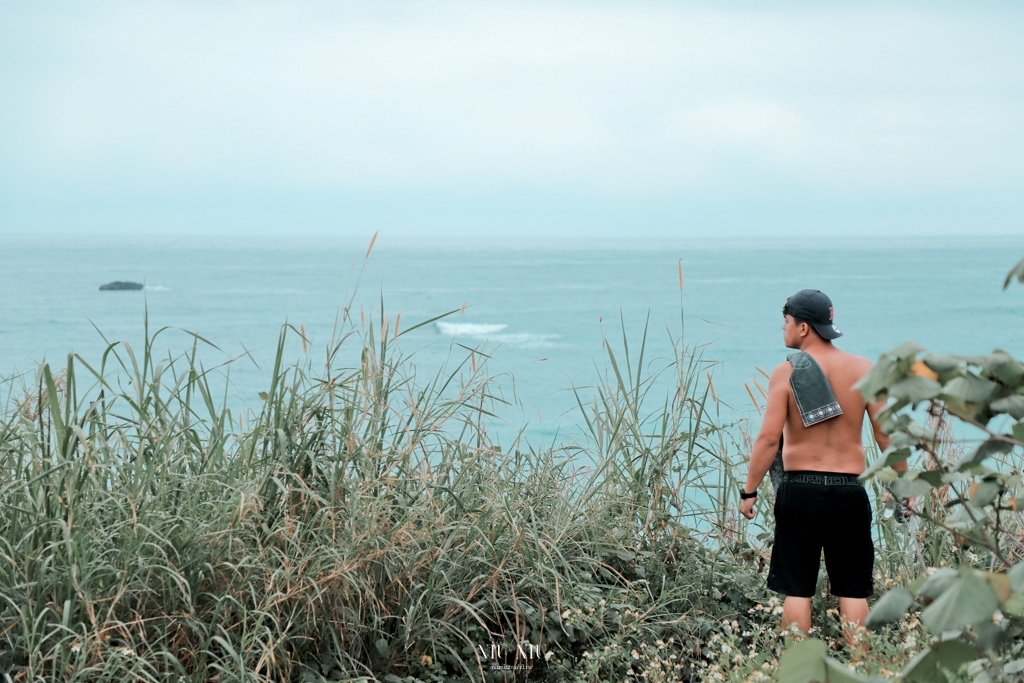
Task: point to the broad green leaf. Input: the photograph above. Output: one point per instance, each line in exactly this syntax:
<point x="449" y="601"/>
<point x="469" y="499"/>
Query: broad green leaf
<point x="886" y="475"/>
<point x="873" y="384"/>
<point x="937" y="583"/>
<point x="1013" y="405"/>
<point x="920" y="431"/>
<point x="838" y="673"/>
<point x="988" y="636"/>
<point x="978" y="361"/>
<point x="887" y="459"/>
<point x="803" y="662"/>
<point x="915" y="585"/>
<point x="1004" y="367"/>
<point x="915" y="389"/>
<point x="890" y="607"/>
<point x="984" y="492"/>
<point x="998" y="364"/>
<point x="1016" y="575"/>
<point x="902" y="422"/>
<point x="970" y="388"/>
<point x="955" y="477"/>
<point x="902" y="440"/>
<point x="1016" y="272"/>
<point x="986" y="450"/>
<point x="928" y="666"/>
<point x="1000" y="584"/>
<point x="940" y="364"/>
<point x="1015" y="605"/>
<point x="933" y="477"/>
<point x="910" y="488"/>
<point x="966" y="517"/>
<point x="889" y="414"/>
<point x="968" y="601"/>
<point x="965" y="411"/>
<point x="1014" y="667"/>
<point x="911" y="474"/>
<point x="1018" y="431"/>
<point x="905" y="350"/>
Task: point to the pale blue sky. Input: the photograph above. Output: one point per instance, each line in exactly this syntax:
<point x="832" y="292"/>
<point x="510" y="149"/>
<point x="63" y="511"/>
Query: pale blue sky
<point x="554" y="119"/>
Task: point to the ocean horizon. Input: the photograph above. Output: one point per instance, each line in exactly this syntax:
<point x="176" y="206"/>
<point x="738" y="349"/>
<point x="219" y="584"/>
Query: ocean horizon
<point x="539" y="310"/>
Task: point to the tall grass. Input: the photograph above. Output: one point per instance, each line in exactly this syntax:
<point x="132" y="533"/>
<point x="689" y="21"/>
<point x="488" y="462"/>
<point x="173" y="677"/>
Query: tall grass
<point x="361" y="523"/>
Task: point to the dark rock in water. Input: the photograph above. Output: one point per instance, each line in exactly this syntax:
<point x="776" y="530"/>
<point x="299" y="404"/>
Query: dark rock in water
<point x="121" y="286"/>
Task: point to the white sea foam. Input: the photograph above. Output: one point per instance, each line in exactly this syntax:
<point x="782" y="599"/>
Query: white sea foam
<point x="158" y="288"/>
<point x="493" y="333"/>
<point x="470" y="329"/>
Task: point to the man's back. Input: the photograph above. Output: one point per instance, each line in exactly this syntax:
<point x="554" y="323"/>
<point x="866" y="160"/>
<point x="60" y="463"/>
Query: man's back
<point x="833" y="445"/>
<point x="820" y="506"/>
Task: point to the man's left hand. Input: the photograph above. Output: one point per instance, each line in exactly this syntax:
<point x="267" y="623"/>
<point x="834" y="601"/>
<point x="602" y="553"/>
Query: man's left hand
<point x="747" y="507"/>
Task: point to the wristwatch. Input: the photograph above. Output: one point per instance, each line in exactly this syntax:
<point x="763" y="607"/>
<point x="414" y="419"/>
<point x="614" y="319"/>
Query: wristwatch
<point x="744" y="495"/>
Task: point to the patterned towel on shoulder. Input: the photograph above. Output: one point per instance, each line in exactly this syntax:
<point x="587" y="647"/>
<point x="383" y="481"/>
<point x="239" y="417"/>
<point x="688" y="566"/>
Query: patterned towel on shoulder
<point x="815" y="399"/>
<point x="813" y="393"/>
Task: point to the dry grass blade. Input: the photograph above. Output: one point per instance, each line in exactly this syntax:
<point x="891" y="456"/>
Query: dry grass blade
<point x="370" y="248"/>
<point x="753" y="400"/>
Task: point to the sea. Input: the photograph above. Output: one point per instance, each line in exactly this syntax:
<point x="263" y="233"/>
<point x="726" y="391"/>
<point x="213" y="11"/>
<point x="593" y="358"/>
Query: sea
<point x="543" y="314"/>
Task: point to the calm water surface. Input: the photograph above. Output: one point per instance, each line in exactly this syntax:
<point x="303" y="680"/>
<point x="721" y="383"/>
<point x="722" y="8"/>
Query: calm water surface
<point x="541" y="311"/>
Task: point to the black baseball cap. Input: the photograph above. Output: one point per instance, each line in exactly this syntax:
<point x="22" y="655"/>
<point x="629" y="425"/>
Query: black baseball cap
<point x="815" y="307"/>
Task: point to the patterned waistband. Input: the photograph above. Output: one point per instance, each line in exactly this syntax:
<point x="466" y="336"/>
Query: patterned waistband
<point x="826" y="478"/>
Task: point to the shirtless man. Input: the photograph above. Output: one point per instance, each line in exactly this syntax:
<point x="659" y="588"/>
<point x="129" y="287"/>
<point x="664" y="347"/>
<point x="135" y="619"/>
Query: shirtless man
<point x="815" y="512"/>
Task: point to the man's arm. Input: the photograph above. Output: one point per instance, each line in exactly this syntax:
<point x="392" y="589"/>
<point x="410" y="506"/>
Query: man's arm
<point x="767" y="443"/>
<point x="881" y="438"/>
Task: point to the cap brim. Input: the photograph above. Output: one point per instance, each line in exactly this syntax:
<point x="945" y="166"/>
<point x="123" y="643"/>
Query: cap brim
<point x="828" y="331"/>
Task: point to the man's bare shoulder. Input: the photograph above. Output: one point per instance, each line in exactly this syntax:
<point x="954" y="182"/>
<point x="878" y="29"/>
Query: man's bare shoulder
<point x="852" y="367"/>
<point x="781" y="372"/>
<point x="853" y="360"/>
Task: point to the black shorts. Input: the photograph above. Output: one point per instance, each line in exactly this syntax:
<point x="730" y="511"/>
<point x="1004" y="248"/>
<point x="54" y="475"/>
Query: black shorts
<point x="815" y="511"/>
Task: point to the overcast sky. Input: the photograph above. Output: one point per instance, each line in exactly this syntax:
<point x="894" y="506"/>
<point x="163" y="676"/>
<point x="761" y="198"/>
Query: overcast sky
<point x="549" y="119"/>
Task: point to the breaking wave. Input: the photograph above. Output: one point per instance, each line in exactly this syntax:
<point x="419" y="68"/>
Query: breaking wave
<point x="493" y="333"/>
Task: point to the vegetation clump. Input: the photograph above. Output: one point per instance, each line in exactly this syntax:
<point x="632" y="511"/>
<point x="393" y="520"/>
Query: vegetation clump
<point x="363" y="524"/>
